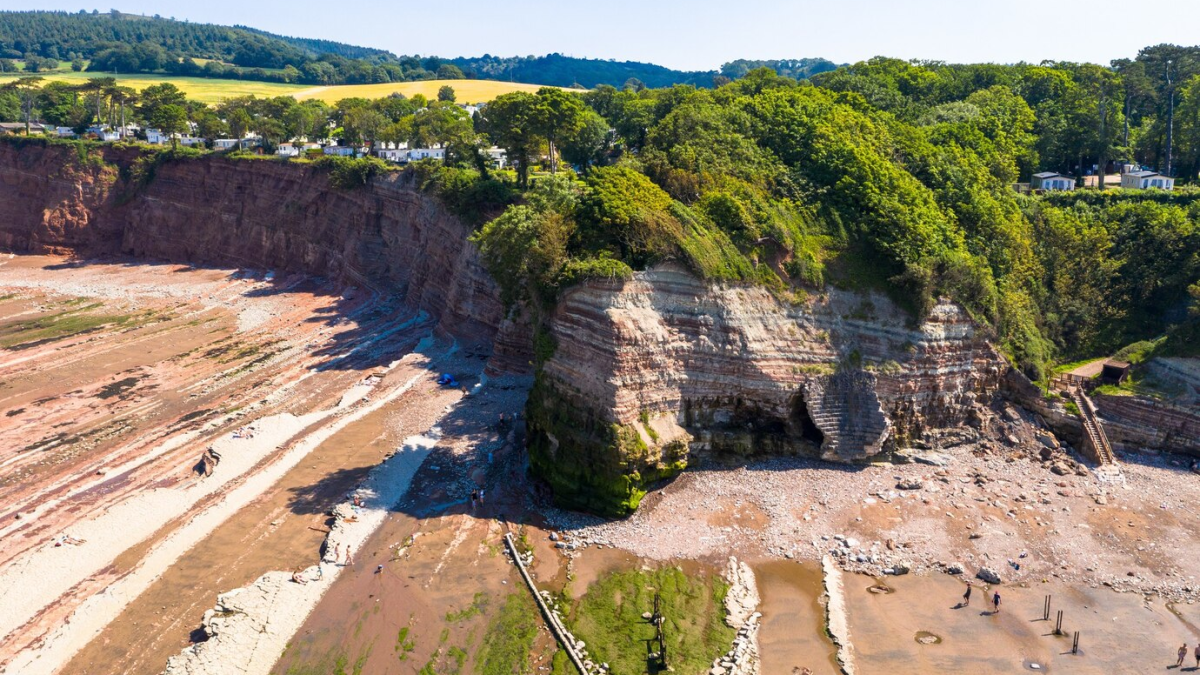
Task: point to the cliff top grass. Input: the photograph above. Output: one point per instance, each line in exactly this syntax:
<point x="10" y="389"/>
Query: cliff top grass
<point x="202" y="89"/>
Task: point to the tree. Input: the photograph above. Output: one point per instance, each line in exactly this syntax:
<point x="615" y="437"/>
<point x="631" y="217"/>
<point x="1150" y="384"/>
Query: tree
<point x="586" y="146"/>
<point x="446" y="94"/>
<point x="364" y="124"/>
<point x="209" y="125"/>
<point x="159" y="95"/>
<point x="97" y="87"/>
<point x="512" y="122"/>
<point x="123" y="96"/>
<point x="27" y="90"/>
<point x="559" y="115"/>
<point x="1168" y="67"/>
<point x="239" y="122"/>
<point x="171" y="119"/>
<point x="524" y="249"/>
<point x="447" y="125"/>
<point x="450" y="72"/>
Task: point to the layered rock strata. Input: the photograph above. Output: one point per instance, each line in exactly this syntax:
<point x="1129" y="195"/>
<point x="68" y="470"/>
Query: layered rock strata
<point x="648" y="373"/>
<point x="1134" y="422"/>
<point x="388" y="236"/>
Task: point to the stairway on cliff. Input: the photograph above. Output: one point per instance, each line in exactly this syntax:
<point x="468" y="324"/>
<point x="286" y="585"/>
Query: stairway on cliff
<point x="1095" y="441"/>
<point x="846" y="409"/>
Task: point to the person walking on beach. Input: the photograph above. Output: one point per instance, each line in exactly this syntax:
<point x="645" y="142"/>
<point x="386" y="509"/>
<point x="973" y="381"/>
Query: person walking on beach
<point x="474" y="498"/>
<point x="967" y="596"/>
<point x="1198" y="657"/>
<point x="480" y="496"/>
<point x="1182" y="655"/>
<point x="996" y="601"/>
<point x="350" y="560"/>
<point x="337" y="554"/>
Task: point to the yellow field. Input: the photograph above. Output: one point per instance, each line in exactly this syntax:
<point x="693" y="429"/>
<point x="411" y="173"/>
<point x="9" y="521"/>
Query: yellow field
<point x="196" y="88"/>
<point x="466" y="91"/>
<point x="213" y="91"/>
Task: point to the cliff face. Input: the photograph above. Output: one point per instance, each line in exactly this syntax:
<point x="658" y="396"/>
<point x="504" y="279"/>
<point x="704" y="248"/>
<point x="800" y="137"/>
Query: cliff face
<point x="647" y="373"/>
<point x="388" y="235"/>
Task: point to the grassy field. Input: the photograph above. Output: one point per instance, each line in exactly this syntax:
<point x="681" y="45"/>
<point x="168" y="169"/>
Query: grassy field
<point x="466" y="91"/>
<point x="213" y="90"/>
<point x="197" y="88"/>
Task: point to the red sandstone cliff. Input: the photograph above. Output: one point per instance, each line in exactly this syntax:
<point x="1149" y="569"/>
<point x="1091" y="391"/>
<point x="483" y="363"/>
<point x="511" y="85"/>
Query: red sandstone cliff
<point x="267" y="214"/>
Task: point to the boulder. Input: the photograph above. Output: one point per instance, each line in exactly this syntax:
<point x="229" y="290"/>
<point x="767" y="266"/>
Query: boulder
<point x="988" y="575"/>
<point x="1047" y="439"/>
<point x="909" y="484"/>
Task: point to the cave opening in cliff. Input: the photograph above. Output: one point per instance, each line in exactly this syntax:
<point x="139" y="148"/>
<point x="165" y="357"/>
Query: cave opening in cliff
<point x="802" y="421"/>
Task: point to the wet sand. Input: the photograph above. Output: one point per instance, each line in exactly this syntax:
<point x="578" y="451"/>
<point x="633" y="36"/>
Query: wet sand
<point x="792" y="633"/>
<point x="432" y="603"/>
<point x="283" y="530"/>
<point x="105" y="418"/>
<point x="1119" y="632"/>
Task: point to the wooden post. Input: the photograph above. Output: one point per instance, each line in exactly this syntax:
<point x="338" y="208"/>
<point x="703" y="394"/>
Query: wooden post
<point x="1075" y="644"/>
<point x="1046" y="610"/>
<point x="1058" y="624"/>
<point x="658" y="630"/>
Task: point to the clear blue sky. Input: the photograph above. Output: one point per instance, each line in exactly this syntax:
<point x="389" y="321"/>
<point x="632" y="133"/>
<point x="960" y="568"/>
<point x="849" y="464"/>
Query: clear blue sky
<point x="702" y="34"/>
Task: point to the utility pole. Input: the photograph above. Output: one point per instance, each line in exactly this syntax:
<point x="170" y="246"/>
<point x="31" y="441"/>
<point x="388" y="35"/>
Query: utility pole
<point x="1101" y="171"/>
<point x="1170" y="119"/>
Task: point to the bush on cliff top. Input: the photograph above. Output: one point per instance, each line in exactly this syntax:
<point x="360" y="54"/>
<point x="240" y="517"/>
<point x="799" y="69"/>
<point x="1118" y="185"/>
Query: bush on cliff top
<point x="348" y="173"/>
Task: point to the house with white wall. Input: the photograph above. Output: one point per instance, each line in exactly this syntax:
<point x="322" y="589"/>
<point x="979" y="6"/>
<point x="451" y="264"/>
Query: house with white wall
<point x="1051" y="181"/>
<point x="1144" y="180"/>
<point x="417" y="154"/>
<point x="397" y="155"/>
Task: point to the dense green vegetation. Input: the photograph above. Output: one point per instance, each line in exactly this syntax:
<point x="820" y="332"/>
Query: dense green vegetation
<point x="771" y="181"/>
<point x="608" y="618"/>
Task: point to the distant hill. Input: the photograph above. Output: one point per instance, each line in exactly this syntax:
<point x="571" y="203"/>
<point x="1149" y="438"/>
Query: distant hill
<point x="63" y="36"/>
<point x="564" y="71"/>
<point x="315" y="47"/>
<point x="118" y="43"/>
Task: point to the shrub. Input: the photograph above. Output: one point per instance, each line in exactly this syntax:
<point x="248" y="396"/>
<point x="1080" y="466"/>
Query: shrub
<point x="347" y="173"/>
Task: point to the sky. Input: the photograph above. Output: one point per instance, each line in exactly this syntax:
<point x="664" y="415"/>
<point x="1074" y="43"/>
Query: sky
<point x="703" y="34"/>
